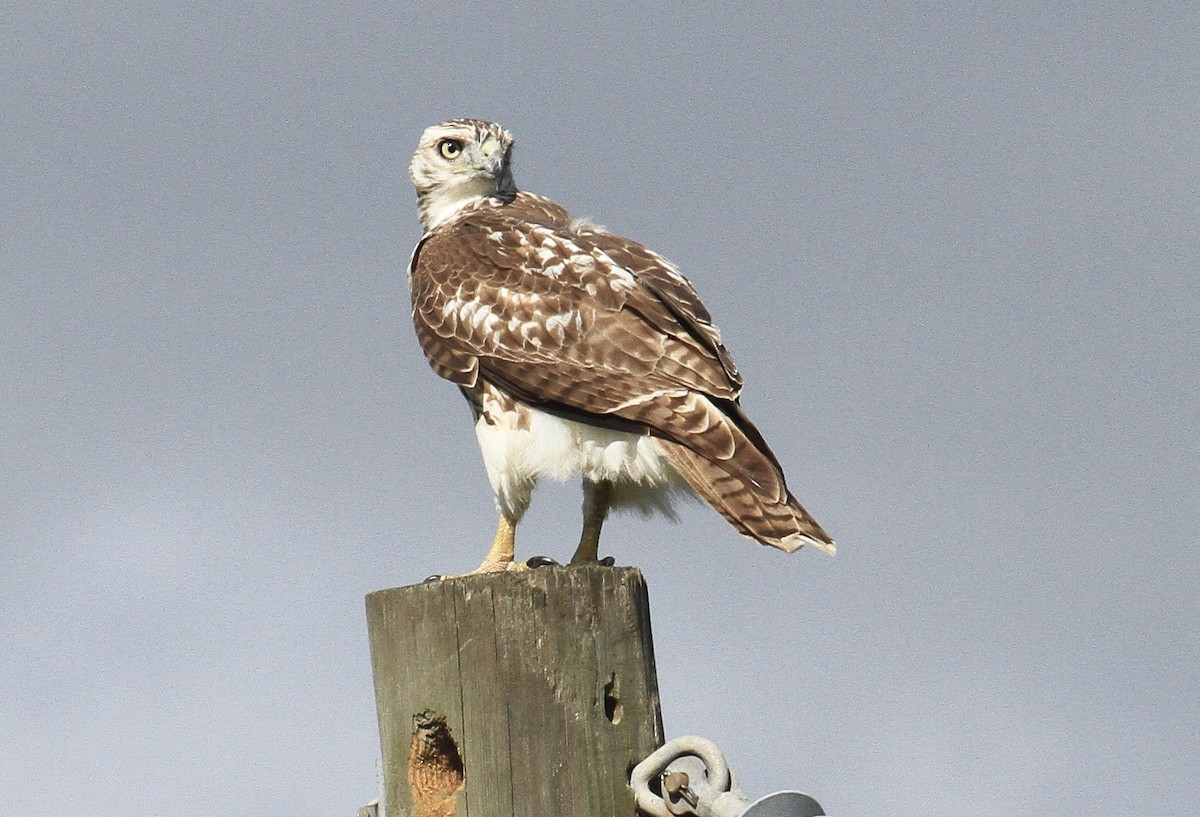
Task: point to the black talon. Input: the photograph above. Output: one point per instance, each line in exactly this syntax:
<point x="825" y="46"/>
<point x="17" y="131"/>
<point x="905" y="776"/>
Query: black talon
<point x="607" y="561"/>
<point x="436" y="577"/>
<point x="541" y="561"/>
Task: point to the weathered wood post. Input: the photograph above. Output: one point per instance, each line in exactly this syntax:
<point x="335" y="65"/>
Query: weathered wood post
<point x="527" y="694"/>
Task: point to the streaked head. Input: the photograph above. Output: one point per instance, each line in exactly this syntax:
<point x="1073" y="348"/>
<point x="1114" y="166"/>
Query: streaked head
<point x="459" y="162"/>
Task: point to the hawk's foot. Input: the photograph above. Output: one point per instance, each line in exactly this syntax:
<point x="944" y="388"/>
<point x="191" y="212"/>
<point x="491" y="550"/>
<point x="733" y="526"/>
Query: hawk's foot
<point x="485" y="568"/>
<point x="498" y="567"/>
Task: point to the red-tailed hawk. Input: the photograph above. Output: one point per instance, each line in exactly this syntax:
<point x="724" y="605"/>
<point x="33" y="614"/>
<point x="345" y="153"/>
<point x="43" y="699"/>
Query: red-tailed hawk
<point x="580" y="352"/>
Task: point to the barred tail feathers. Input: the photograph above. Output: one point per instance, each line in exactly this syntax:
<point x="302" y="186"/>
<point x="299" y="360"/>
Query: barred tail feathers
<point x="726" y="461"/>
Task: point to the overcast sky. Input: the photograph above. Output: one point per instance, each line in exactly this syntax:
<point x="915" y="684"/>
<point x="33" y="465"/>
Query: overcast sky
<point x="953" y="251"/>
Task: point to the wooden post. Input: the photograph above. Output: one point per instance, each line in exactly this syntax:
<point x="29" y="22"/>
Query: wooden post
<point x="524" y="694"/>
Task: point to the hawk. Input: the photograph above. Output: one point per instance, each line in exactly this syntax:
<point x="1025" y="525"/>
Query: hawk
<point x="580" y="353"/>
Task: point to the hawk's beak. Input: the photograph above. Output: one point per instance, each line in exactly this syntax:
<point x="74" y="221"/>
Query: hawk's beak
<point x="506" y="188"/>
<point x="496" y="164"/>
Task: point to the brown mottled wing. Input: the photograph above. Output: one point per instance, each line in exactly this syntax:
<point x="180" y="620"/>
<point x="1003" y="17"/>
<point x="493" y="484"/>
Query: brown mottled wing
<point x="672" y="288"/>
<point x="555" y="321"/>
<point x="589" y="326"/>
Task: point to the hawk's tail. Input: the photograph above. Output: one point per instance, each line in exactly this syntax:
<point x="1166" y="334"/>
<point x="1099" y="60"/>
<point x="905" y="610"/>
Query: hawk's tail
<point x="727" y="462"/>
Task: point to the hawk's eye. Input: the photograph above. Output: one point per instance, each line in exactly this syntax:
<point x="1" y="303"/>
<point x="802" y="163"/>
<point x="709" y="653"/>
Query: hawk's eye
<point x="450" y="148"/>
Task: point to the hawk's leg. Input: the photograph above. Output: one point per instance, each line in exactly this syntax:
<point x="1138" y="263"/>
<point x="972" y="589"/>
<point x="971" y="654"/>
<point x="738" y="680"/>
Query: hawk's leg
<point x="597" y="496"/>
<point x="500" y="556"/>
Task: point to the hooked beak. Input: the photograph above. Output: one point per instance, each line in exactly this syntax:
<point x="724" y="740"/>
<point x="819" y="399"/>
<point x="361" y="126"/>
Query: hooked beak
<point x="498" y="164"/>
<point x="506" y="188"/>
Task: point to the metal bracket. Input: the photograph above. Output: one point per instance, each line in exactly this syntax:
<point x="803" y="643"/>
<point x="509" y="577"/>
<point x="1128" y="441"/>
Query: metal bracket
<point x="709" y="792"/>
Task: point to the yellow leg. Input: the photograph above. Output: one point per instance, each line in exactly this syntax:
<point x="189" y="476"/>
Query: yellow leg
<point x="596" y="498"/>
<point x="500" y="557"/>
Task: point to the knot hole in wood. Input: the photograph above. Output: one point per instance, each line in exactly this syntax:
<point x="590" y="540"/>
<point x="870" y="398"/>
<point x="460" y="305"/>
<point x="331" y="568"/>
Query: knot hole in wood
<point x="435" y="767"/>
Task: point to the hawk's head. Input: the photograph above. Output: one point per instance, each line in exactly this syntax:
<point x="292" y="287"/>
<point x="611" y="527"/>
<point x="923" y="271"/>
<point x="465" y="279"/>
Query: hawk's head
<point x="459" y="162"/>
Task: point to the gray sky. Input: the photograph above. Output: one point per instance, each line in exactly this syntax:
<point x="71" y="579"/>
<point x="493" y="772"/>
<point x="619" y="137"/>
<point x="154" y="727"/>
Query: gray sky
<point x="954" y="253"/>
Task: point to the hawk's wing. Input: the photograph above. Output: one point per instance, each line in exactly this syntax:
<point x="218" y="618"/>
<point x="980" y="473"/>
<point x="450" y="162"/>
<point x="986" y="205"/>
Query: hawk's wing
<point x="675" y="291"/>
<point x="501" y="293"/>
<point x="555" y="319"/>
